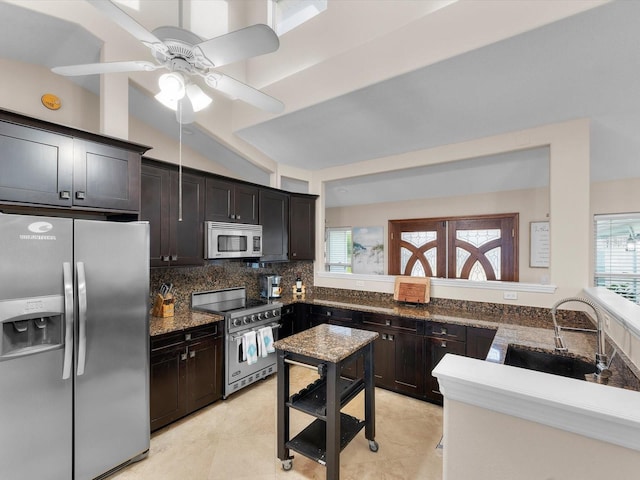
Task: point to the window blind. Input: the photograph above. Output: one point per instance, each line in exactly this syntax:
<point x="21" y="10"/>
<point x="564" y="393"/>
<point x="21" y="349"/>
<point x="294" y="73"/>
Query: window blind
<point x="339" y="247"/>
<point x="617" y="254"/>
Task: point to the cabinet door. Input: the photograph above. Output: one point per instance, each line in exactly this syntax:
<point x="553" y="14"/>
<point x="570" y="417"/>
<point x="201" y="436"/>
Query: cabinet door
<point x="105" y="177"/>
<point x="302" y="228"/>
<point x="204" y="377"/>
<point x="187" y="232"/>
<point x="274" y="218"/>
<point x="436" y="348"/>
<point x="155" y="186"/>
<point x="383" y="361"/>
<point x="35" y="166"/>
<point x="409" y="363"/>
<point x="246" y="205"/>
<point x="219" y="200"/>
<point x="168" y="399"/>
<point x="479" y="342"/>
<point x="287" y="320"/>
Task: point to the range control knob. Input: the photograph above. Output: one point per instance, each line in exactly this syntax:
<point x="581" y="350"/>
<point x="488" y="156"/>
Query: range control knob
<point x="275" y="313"/>
<point x="253" y="318"/>
<point x="260" y="316"/>
<point x="237" y="322"/>
<point x="267" y="314"/>
<point x="246" y="320"/>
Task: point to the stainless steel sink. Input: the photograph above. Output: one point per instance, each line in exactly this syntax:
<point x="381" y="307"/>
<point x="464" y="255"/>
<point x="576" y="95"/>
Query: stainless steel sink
<point x="548" y="362"/>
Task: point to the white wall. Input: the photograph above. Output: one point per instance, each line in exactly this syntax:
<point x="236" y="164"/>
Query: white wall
<point x="24" y="84"/>
<point x="569" y="162"/>
<point x="480" y="444"/>
<point x="532" y="205"/>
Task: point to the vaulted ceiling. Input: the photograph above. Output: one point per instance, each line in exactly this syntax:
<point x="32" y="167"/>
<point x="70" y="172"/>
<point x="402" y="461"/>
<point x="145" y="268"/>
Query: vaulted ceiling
<point x="370" y="79"/>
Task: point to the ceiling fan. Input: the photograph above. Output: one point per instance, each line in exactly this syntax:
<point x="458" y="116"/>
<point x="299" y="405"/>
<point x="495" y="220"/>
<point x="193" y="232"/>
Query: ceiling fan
<point x="185" y="54"/>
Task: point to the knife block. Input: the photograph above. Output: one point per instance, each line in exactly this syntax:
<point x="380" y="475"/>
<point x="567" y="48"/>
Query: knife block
<point x="163" y="306"/>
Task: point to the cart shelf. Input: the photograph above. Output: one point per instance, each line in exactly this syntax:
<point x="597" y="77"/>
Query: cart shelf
<point x="313" y="398"/>
<point x="311" y="442"/>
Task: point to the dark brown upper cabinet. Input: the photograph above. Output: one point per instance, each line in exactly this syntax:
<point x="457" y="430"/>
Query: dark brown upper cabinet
<point x="302" y="227"/>
<point x="274" y="218"/>
<point x="174" y="240"/>
<point x="228" y="201"/>
<point x="48" y="165"/>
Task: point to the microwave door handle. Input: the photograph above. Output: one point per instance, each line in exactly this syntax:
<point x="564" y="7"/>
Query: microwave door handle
<point x="82" y="318"/>
<point x="68" y="320"/>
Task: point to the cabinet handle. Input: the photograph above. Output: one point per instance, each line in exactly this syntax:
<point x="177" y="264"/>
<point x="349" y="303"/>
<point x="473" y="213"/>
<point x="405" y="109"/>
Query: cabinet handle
<point x="232" y="216"/>
<point x="187" y="336"/>
<point x="192" y="354"/>
<point x="390" y="337"/>
<point x="80" y="195"/>
<point x="294" y="254"/>
<point x="238" y="217"/>
<point x="65" y="195"/>
<point x="174" y="258"/>
<point x="183" y="356"/>
<point x="443" y="344"/>
<point x="384" y="336"/>
<point x="165" y="258"/>
<point x="387" y="322"/>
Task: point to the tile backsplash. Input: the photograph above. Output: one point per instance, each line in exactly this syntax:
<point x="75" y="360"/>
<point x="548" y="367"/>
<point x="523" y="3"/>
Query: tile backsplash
<point x="226" y="274"/>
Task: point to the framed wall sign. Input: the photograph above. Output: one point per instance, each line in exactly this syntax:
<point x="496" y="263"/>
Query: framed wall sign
<point x="539" y="244"/>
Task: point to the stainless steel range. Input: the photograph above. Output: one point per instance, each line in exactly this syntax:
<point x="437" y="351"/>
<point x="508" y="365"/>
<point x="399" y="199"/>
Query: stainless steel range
<point x="251" y="326"/>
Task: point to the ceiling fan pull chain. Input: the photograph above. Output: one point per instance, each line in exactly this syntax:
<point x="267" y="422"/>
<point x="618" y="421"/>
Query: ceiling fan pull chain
<point x="180" y="162"/>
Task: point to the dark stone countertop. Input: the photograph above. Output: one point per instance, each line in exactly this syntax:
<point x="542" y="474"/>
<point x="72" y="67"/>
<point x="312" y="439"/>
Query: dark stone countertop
<point x="532" y="332"/>
<point x="180" y="322"/>
<point x="330" y="343"/>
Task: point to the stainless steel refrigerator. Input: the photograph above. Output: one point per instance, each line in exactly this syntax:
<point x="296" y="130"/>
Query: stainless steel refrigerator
<point x="74" y="352"/>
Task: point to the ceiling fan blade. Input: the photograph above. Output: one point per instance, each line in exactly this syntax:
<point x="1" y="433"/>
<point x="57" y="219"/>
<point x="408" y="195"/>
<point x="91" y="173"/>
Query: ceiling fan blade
<point x="108" y="67"/>
<point x="129" y="24"/>
<point x="239" y="45"/>
<point x="241" y="91"/>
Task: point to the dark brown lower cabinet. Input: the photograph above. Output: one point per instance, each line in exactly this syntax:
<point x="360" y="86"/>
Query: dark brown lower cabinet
<point x="479" y="342"/>
<point x="186" y="372"/>
<point x="437" y="348"/>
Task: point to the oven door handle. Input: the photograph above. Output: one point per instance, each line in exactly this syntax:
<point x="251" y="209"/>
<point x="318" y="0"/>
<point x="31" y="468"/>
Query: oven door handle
<point x="236" y="337"/>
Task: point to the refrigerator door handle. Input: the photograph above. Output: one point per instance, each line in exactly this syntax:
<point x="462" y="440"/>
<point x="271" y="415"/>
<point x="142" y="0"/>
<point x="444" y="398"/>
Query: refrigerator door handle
<point x="68" y="320"/>
<point x="82" y="318"/>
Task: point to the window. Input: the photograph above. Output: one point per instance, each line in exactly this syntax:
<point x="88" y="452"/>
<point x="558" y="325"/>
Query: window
<point x="339" y="250"/>
<point x="617" y="242"/>
<point x="475" y="248"/>
<point x="289" y="14"/>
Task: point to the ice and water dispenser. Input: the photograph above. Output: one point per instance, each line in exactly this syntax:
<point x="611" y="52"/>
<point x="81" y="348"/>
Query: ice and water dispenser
<point x="28" y="333"/>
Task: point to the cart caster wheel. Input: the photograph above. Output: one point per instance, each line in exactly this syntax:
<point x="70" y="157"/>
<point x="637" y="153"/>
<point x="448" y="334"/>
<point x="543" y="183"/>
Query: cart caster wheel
<point x="287" y="465"/>
<point x="373" y="445"/>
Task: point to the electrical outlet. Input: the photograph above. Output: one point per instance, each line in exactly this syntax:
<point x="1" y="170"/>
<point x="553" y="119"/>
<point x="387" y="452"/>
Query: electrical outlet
<point x="359" y="283"/>
<point x="510" y="295"/>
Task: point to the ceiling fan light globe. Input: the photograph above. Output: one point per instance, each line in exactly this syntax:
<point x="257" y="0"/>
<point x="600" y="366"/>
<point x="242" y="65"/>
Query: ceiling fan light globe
<point x="199" y="99"/>
<point x="167" y="101"/>
<point x="172" y="85"/>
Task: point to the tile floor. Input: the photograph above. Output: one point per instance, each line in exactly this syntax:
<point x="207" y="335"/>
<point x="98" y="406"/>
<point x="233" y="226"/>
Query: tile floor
<point x="235" y="439"/>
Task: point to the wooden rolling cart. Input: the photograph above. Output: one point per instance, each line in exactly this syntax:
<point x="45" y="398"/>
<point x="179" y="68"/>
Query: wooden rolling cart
<point x="325" y="348"/>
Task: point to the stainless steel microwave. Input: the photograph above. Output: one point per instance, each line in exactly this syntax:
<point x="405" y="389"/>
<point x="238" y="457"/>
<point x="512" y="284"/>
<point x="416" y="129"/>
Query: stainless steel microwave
<point x="232" y="240"/>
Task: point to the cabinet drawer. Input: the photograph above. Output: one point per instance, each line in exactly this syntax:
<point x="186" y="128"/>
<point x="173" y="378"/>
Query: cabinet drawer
<point x="166" y="341"/>
<point x="209" y="330"/>
<point x="409" y="325"/>
<point x="287" y="310"/>
<point x="337" y="313"/>
<point x="169" y="340"/>
<point x="446" y="330"/>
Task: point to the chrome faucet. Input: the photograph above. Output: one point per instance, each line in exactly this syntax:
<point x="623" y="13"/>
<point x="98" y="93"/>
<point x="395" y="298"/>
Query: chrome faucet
<point x="602" y="372"/>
